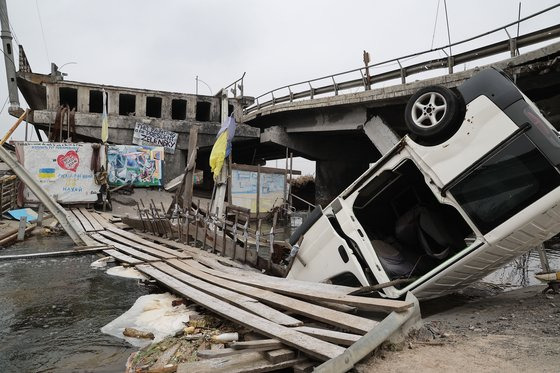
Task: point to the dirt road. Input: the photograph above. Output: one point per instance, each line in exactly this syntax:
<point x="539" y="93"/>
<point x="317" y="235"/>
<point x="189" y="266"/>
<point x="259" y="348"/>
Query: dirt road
<point x="480" y="331"/>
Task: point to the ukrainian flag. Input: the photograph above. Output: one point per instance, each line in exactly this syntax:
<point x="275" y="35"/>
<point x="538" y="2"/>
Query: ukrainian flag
<point x="222" y="146"/>
<point x="46" y="173"/>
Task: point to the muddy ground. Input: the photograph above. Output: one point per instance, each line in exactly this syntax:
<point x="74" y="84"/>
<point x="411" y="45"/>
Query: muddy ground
<point x="480" y="330"/>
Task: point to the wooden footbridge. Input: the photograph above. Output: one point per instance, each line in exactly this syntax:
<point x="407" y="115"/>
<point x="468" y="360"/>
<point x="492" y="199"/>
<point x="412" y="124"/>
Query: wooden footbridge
<point x="319" y="323"/>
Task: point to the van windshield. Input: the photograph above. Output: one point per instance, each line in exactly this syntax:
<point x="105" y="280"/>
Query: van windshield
<point x="505" y="184"/>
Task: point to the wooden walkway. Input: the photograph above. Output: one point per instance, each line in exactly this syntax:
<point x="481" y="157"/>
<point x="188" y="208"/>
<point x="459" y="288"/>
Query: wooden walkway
<point x="307" y="317"/>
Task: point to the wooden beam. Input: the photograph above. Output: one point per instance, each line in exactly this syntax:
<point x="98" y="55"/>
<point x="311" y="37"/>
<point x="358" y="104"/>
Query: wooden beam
<point x="139" y="240"/>
<point x="351" y="322"/>
<point x="309" y="345"/>
<point x="230" y="296"/>
<point x="126" y="249"/>
<point x="53" y="253"/>
<point x="364" y="303"/>
<point x="83" y="221"/>
<point x="340" y="338"/>
<point x="90" y="217"/>
<point x="250" y="362"/>
<point x="122" y="257"/>
<point x="115" y="237"/>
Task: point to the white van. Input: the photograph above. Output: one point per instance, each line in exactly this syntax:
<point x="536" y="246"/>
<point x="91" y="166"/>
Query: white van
<point x="475" y="184"/>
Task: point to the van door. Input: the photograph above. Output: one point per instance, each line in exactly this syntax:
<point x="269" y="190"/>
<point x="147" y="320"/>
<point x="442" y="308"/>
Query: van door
<point x="324" y="255"/>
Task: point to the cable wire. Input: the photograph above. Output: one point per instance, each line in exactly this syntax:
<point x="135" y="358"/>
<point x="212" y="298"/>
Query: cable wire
<point x="42" y="30"/>
<point x="435" y="24"/>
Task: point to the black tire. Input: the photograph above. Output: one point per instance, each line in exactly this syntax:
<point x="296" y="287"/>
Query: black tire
<point x="433" y="114"/>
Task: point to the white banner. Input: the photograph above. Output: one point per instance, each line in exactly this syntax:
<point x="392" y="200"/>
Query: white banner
<point x="144" y="134"/>
<point x="62" y="169"/>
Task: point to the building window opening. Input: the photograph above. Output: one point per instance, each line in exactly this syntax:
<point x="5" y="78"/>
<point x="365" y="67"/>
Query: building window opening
<point x="203" y="111"/>
<point x="229" y="110"/>
<point x="95" y="101"/>
<point x="153" y="107"/>
<point x="127" y="104"/>
<point x="68" y="96"/>
<point x="178" y="109"/>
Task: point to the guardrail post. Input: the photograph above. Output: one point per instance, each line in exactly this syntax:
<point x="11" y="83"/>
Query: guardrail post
<point x="450" y="62"/>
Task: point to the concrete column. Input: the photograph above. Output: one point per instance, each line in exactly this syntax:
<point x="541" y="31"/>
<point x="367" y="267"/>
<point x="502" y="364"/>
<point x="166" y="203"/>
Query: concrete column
<point x="112" y="102"/>
<point x="140" y="104"/>
<point x="332" y="177"/>
<point x="166" y="107"/>
<point x="191" y="108"/>
<point x="83" y="100"/>
<point x="53" y="98"/>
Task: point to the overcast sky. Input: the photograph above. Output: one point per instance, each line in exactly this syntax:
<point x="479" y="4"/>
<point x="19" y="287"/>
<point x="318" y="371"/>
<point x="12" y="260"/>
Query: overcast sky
<point x="163" y="45"/>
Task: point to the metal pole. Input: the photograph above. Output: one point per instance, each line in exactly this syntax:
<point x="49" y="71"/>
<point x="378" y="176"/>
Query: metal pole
<point x="9" y="63"/>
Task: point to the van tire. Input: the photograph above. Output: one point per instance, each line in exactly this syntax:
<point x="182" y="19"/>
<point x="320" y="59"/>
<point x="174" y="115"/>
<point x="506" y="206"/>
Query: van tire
<point x="433" y="114"/>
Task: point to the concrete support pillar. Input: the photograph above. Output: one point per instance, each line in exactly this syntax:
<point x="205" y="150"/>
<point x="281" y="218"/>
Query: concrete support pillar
<point x="174" y="164"/>
<point x="333" y="176"/>
<point x="381" y="135"/>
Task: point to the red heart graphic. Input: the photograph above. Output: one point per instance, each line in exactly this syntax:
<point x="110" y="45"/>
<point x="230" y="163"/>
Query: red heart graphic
<point x="69" y="161"/>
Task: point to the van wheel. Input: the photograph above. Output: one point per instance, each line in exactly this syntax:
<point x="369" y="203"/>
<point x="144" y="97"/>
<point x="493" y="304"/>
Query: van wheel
<point x="433" y="114"/>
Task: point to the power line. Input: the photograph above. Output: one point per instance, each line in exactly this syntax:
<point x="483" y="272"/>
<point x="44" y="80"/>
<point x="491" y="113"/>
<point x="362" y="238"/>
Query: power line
<point x="435" y="24"/>
<point x="3" y="106"/>
<point x="42" y="30"/>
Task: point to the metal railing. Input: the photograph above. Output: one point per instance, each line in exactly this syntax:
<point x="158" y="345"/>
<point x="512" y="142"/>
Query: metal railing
<point x="511" y="44"/>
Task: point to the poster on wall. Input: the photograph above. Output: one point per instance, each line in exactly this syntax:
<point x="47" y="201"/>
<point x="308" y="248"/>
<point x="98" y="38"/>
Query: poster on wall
<point x="144" y="134"/>
<point x="62" y="169"/>
<point x="140" y="166"/>
<point x="244" y="189"/>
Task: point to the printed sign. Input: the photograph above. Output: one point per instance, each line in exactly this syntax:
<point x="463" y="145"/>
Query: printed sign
<point x="141" y="166"/>
<point x="145" y="134"/>
<point x="61" y="169"/>
<point x="244" y="190"/>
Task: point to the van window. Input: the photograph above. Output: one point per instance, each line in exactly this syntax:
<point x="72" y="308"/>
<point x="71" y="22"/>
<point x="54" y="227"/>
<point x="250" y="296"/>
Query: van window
<point x="409" y="230"/>
<point x="505" y="184"/>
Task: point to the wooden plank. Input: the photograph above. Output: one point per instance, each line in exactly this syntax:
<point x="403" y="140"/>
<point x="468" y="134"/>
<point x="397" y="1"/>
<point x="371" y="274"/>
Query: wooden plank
<point x="309" y="345"/>
<point x="340" y="338"/>
<point x="282" y="282"/>
<point x="222" y="352"/>
<point x="89" y="216"/>
<point x="99" y="218"/>
<point x="115" y="237"/>
<point x="52" y="253"/>
<point x="258" y="343"/>
<point x="280" y="286"/>
<point x="250" y="362"/>
<point x="280" y="355"/>
<point x="122" y="257"/>
<point x="83" y="221"/>
<point x="139" y="240"/>
<point x="126" y="249"/>
<point x="196" y="253"/>
<point x="343" y="320"/>
<point x="243" y="301"/>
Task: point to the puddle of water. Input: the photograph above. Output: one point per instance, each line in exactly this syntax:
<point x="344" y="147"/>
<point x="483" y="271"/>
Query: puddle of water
<point x="52" y="311"/>
<point x="521" y="271"/>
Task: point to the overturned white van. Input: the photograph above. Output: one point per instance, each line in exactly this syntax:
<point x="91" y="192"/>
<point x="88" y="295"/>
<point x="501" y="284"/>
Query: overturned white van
<point x="475" y="184"/>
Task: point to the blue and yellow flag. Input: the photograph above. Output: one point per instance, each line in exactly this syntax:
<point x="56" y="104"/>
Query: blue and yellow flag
<point x="104" y="120"/>
<point x="222" y="146"/>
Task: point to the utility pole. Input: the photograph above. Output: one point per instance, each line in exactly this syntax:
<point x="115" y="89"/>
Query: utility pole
<point x="6" y="36"/>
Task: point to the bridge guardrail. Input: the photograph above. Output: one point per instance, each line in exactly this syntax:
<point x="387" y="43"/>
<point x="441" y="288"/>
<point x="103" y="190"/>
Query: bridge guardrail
<point x="511" y="44"/>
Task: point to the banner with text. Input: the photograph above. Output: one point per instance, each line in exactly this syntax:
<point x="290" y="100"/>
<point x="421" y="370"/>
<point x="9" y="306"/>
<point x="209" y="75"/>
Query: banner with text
<point x="144" y="134"/>
<point x="62" y="169"/>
